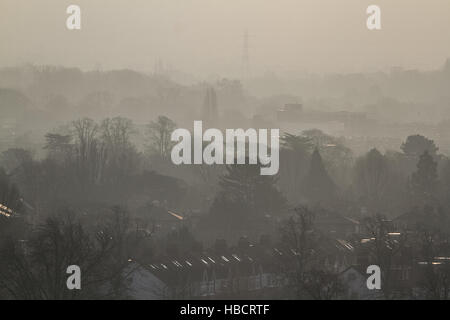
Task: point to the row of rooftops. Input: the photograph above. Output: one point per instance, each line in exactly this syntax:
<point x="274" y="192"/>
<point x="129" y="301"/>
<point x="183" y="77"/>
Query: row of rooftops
<point x="263" y="255"/>
<point x="238" y="261"/>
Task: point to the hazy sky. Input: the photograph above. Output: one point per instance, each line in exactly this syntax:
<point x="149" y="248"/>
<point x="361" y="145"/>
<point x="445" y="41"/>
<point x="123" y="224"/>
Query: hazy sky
<point x="206" y="36"/>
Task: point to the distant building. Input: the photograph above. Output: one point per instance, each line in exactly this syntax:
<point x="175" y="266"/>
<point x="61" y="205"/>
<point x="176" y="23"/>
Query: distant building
<point x="246" y="271"/>
<point x="208" y="275"/>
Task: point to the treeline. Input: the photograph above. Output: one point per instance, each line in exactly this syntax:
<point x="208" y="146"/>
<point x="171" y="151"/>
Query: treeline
<point x="91" y="167"/>
<point x="114" y="161"/>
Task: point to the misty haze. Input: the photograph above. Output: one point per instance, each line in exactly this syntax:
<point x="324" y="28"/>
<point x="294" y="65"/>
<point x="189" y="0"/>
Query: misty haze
<point x="359" y="172"/>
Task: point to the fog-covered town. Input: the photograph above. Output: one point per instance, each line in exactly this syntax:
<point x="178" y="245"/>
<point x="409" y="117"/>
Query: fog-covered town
<point x="357" y="174"/>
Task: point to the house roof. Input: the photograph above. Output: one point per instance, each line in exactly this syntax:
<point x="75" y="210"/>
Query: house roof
<point x="5" y="211"/>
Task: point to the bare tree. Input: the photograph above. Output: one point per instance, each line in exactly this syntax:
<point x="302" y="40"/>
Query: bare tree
<point x="306" y="272"/>
<point x="159" y="132"/>
<point x="37" y="268"/>
<point x="59" y="146"/>
<point x="122" y="156"/>
<point x="89" y="152"/>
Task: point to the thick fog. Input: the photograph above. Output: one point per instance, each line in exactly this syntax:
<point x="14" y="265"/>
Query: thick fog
<point x="205" y="38"/>
<point x="212" y="149"/>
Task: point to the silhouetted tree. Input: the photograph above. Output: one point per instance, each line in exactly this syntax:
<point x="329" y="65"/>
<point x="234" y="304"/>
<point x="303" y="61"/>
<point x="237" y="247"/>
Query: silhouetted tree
<point x="298" y="234"/>
<point x="294" y="157"/>
<point x="121" y="155"/>
<point x="416" y="145"/>
<point x="37" y="268"/>
<point x="245" y="185"/>
<point x="337" y="157"/>
<point x="371" y="179"/>
<point x="246" y="199"/>
<point x="306" y="272"/>
<point x="424" y="181"/>
<point x="318" y="186"/>
<point x="159" y="132"/>
<point x="59" y="146"/>
<point x="89" y="152"/>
